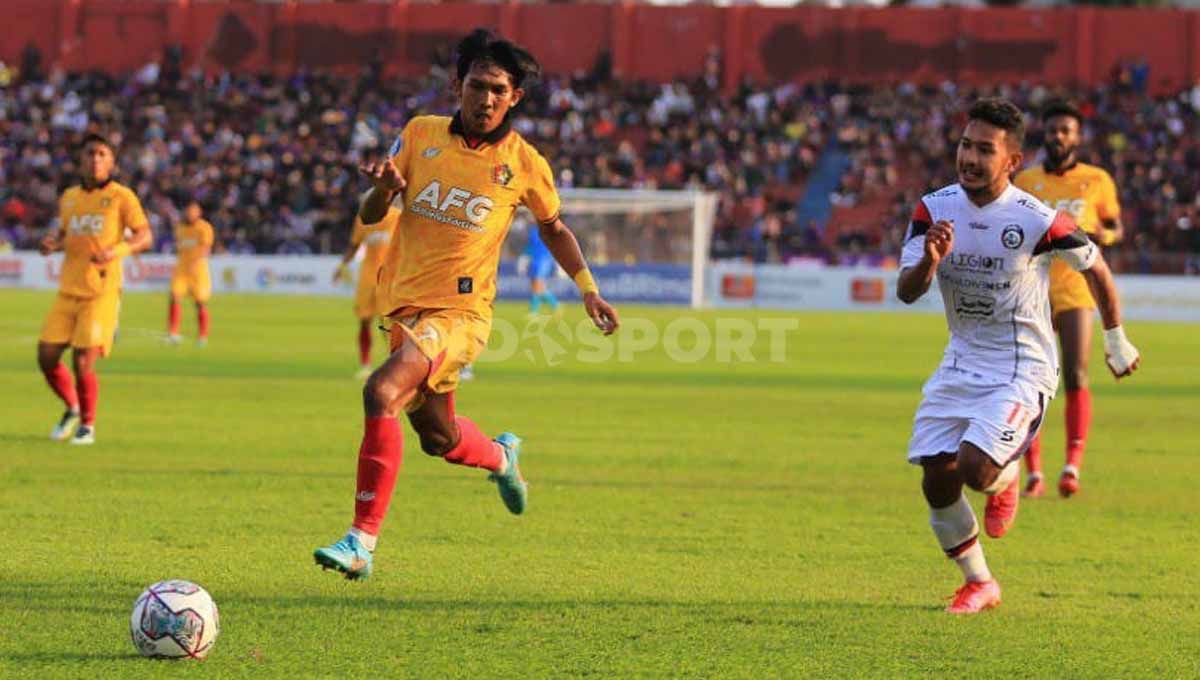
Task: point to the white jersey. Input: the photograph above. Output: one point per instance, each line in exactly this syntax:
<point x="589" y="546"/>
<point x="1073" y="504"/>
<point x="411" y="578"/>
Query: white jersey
<point x="994" y="282"/>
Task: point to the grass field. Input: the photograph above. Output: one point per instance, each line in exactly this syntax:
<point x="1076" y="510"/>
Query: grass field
<point x="712" y="518"/>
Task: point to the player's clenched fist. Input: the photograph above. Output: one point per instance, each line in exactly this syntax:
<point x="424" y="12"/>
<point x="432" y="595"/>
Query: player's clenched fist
<point x="939" y="241"/>
<point x="384" y="176"/>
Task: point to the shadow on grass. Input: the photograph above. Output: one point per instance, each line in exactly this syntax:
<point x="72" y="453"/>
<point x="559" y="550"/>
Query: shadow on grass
<point x="59" y="657"/>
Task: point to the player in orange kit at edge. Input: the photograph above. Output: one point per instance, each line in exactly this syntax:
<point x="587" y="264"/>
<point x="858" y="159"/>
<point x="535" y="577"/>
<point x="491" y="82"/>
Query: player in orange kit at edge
<point x="375" y="239"/>
<point x="1089" y="195"/>
<point x="94" y="216"/>
<point x="193" y="245"/>
<point x="461" y="181"/>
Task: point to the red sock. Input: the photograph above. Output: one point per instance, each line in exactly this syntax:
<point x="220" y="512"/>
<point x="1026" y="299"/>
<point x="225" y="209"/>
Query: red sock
<point x="1079" y="419"/>
<point x="474" y="448"/>
<point x="173" y="314"/>
<point x="89" y="395"/>
<point x="1033" y="456"/>
<point x="378" y="462"/>
<point x="202" y="320"/>
<point x="63" y="384"/>
<point x="364" y="344"/>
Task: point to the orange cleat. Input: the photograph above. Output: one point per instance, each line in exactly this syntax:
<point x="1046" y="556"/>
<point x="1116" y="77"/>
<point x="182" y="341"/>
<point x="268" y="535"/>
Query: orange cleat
<point x="1001" y="510"/>
<point x="1034" y="487"/>
<point x="1068" y="484"/>
<point x="974" y="597"/>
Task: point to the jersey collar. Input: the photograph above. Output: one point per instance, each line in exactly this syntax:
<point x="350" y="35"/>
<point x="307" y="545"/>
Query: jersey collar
<point x="1061" y="171"/>
<point x="96" y="187"/>
<point x="493" y="137"/>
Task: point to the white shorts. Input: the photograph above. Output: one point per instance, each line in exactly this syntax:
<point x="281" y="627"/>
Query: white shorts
<point x="1000" y="419"/>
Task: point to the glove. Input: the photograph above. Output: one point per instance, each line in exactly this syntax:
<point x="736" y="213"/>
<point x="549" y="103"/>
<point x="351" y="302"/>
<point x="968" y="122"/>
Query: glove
<point x="1121" y="356"/>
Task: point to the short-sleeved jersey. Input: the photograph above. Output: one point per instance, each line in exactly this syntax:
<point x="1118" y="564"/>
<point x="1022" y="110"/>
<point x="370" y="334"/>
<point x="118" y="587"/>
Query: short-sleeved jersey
<point x="375" y="239"/>
<point x="1085" y="192"/>
<point x="192" y="241"/>
<point x="457" y="208"/>
<point x="994" y="282"/>
<point x="94" y="220"/>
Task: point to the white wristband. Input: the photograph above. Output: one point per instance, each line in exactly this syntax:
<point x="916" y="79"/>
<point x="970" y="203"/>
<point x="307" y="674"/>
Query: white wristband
<point x="1119" y="353"/>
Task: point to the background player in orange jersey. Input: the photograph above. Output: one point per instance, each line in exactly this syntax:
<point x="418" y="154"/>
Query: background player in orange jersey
<point x="193" y="245"/>
<point x="375" y="239"/>
<point x="94" y="216"/>
<point x="461" y="181"/>
<point x="1088" y="194"/>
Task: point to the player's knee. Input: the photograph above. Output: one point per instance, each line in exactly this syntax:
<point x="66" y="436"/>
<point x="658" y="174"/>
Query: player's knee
<point x="436" y="443"/>
<point x="977" y="470"/>
<point x="47" y="359"/>
<point x="1075" y="377"/>
<point x="380" y="394"/>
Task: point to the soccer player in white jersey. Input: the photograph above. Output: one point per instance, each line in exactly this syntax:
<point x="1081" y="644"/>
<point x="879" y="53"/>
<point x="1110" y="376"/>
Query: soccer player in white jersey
<point x="989" y="244"/>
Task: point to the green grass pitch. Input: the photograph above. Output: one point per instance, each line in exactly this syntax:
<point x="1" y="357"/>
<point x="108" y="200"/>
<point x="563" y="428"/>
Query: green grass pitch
<point x="687" y="519"/>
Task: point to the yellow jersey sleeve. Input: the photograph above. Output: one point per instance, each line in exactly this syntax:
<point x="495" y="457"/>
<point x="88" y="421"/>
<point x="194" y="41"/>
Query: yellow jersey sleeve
<point x="401" y="149"/>
<point x="132" y="215"/>
<point x="540" y="195"/>
<point x="207" y="237"/>
<point x="1108" y="205"/>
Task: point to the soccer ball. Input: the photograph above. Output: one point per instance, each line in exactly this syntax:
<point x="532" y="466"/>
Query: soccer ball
<point x="174" y="620"/>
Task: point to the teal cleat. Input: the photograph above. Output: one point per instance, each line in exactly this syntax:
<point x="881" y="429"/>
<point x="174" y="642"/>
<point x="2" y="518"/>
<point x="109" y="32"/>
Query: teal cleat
<point x="347" y="556"/>
<point x="513" y="489"/>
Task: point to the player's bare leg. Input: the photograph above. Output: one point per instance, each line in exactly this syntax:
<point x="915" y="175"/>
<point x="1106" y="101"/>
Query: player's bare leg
<point x="459" y="441"/>
<point x="1075" y="336"/>
<point x="389" y="389"/>
<point x="953" y="523"/>
<point x="174" y="314"/>
<point x="202" y="323"/>
<point x="88" y="387"/>
<point x="58" y="377"/>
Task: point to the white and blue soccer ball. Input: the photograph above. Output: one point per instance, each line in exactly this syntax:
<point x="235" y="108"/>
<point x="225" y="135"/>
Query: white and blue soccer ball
<point x="174" y="620"/>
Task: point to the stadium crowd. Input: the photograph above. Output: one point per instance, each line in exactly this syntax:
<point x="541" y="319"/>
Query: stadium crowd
<point x="273" y="160"/>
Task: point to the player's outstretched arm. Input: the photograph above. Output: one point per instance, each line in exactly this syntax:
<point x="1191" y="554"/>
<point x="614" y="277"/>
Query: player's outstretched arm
<point x="386" y="182"/>
<point x="565" y="249"/>
<point x="915" y="280"/>
<point x="1120" y="355"/>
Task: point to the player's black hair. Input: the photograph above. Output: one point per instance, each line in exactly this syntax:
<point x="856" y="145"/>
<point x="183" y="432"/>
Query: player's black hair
<point x="99" y="139"/>
<point x="1061" y="107"/>
<point x="1002" y="114"/>
<point x="484" y="47"/>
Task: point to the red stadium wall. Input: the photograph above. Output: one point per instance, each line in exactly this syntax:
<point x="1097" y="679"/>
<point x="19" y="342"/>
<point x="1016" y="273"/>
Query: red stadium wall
<point x="871" y="45"/>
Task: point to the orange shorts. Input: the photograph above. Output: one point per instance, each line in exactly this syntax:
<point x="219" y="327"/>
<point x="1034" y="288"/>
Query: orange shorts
<point x="194" y="281"/>
<point x="450" y="338"/>
<point x="82" y="322"/>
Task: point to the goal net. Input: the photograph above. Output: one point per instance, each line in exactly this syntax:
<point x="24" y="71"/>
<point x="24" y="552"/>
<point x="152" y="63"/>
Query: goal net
<point x="626" y="234"/>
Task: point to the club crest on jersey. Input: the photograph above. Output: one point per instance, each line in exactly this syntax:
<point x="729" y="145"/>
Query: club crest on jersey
<point x="105" y="202"/>
<point x="431" y="152"/>
<point x="502" y="174"/>
<point x="1012" y="237"/>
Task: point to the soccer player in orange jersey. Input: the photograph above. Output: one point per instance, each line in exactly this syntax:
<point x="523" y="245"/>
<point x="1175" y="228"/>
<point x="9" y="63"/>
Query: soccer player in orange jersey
<point x="94" y="217"/>
<point x="375" y="239"/>
<point x="193" y="245"/>
<point x="461" y="181"/>
<point x="1089" y="195"/>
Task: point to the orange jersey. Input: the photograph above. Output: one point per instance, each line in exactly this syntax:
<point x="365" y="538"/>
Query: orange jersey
<point x="94" y="220"/>
<point x="375" y="238"/>
<point x="458" y="205"/>
<point x="1085" y="192"/>
<point x="193" y="242"/>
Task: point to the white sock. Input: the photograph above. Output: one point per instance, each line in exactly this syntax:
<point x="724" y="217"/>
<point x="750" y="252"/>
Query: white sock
<point x="1035" y="475"/>
<point x="1072" y="470"/>
<point x="363" y="537"/>
<point x="1006" y="477"/>
<point x="958" y="534"/>
<point x="974" y="567"/>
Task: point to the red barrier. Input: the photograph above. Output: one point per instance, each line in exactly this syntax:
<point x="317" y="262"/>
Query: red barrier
<point x="647" y="42"/>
